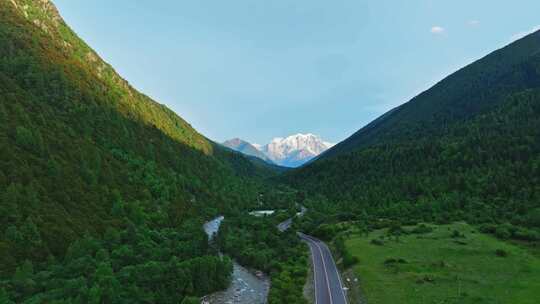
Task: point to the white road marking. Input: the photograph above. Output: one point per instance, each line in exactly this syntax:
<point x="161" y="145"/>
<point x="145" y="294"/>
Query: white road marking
<point x="339" y="277"/>
<point x="314" y="272"/>
<point x="314" y="241"/>
<point x="325" y="273"/>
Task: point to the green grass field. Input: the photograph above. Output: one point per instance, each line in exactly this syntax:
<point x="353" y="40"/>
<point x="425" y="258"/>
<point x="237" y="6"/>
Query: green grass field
<point x="444" y="266"/>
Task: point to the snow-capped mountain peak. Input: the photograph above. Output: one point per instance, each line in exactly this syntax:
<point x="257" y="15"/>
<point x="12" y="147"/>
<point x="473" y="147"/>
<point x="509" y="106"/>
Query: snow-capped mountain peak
<point x="295" y="150"/>
<point x="290" y="151"/>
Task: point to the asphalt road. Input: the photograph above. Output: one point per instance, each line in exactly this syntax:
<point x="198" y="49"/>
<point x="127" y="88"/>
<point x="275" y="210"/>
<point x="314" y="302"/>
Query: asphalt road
<point x="327" y="282"/>
<point x="285" y="225"/>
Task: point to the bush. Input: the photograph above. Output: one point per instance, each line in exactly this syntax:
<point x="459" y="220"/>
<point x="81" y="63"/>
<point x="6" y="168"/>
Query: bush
<point x="509" y="231"/>
<point x="501" y="253"/>
<point x="326" y="232"/>
<point x="488" y="228"/>
<point x="191" y="300"/>
<point x="502" y="233"/>
<point x="24" y="138"/>
<point x="425" y="279"/>
<point x="534" y="218"/>
<point x="349" y="260"/>
<point x="395" y="229"/>
<point x="526" y="235"/>
<point x="391" y="261"/>
<point x="457" y="234"/>
<point x="440" y="264"/>
<point x="377" y="242"/>
<point x="422" y="229"/>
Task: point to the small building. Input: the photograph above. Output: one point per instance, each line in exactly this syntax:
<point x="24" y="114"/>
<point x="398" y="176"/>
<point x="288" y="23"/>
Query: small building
<point x="260" y="213"/>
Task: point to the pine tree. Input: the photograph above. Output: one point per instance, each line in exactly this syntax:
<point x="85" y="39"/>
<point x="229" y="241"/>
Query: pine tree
<point x="31" y="233"/>
<point x="4" y="297"/>
<point x="9" y="202"/>
<point x="108" y="284"/>
<point x="23" y="278"/>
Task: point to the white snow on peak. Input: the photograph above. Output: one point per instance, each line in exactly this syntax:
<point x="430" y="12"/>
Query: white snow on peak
<point x="290" y="151"/>
<point x="295" y="150"/>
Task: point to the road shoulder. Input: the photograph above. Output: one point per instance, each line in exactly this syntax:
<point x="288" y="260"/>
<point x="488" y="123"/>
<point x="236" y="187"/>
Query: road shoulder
<point x="309" y="288"/>
<point x="354" y="292"/>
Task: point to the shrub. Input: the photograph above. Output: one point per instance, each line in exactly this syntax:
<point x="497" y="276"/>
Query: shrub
<point x="326" y="232"/>
<point x="526" y="235"/>
<point x="441" y="264"/>
<point x="425" y="279"/>
<point x="391" y="261"/>
<point x="534" y="218"/>
<point x="395" y="229"/>
<point x="422" y="229"/>
<point x="349" y="260"/>
<point x="24" y="138"/>
<point x="191" y="300"/>
<point x="402" y="261"/>
<point x="377" y="242"/>
<point x="488" y="228"/>
<point x="502" y="233"/>
<point x="501" y="253"/>
<point x="457" y="234"/>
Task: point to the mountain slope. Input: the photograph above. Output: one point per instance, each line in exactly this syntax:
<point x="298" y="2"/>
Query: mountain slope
<point x="246" y="148"/>
<point x="468" y="148"/>
<point x="93" y="174"/>
<point x="474" y="89"/>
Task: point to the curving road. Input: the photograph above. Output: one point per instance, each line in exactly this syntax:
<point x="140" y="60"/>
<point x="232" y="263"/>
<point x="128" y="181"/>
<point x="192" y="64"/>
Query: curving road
<point x="327" y="282"/>
<point x="285" y="225"/>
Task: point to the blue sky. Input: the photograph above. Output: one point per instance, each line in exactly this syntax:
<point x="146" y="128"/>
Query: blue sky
<point x="271" y="68"/>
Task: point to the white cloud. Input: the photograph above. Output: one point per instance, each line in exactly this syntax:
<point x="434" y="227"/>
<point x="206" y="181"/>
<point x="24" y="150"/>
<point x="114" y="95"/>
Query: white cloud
<point x="437" y="30"/>
<point x="473" y="22"/>
<point x="524" y="33"/>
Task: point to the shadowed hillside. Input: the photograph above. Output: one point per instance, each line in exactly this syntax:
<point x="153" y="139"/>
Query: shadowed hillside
<point x="93" y="172"/>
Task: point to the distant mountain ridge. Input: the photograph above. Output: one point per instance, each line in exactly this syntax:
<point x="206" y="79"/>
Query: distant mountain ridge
<point x="292" y="151"/>
<point x="244" y="147"/>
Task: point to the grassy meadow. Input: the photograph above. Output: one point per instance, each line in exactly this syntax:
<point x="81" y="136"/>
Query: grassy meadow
<point x="443" y="264"/>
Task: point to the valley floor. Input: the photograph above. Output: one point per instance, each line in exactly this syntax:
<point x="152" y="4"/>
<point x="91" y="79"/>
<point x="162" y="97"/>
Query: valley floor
<point x="450" y="264"/>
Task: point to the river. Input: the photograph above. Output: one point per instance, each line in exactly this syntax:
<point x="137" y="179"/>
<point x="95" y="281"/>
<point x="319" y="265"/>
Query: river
<point x="245" y="288"/>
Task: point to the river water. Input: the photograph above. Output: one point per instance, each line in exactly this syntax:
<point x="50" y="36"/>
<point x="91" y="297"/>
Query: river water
<point x="245" y="288"/>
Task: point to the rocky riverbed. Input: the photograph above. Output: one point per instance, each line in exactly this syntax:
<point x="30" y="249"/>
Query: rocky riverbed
<point x="246" y="287"/>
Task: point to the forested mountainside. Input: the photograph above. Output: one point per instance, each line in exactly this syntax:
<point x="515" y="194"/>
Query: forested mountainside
<point x="469" y="148"/>
<point x="99" y="183"/>
<point x="475" y="89"/>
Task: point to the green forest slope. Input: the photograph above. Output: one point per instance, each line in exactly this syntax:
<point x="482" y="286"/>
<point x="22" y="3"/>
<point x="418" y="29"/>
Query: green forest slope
<point x="474" y="89"/>
<point x="97" y="181"/>
<point x="469" y="148"/>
